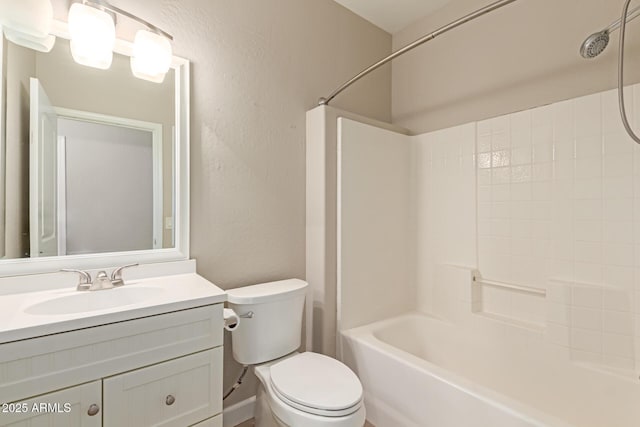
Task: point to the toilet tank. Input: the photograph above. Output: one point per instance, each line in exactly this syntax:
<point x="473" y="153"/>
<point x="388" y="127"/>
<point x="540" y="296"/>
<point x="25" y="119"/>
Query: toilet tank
<point x="275" y="328"/>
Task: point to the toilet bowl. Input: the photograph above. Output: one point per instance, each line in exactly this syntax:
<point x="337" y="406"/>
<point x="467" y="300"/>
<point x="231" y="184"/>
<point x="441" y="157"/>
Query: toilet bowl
<point x="308" y="390"/>
<point x="295" y="389"/>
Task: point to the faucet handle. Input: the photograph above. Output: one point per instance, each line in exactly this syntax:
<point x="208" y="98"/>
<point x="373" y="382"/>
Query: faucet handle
<point x="101" y="282"/>
<point x="85" y="278"/>
<point x="116" y="275"/>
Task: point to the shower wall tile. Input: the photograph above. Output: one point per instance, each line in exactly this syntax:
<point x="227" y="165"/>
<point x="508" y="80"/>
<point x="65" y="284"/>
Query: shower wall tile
<point x="616" y="322"/>
<point x="562" y="119"/>
<point x="444" y="173"/>
<point x="517" y="199"/>
<point x="635" y="306"/>
<point x="618" y="345"/>
<point x="617" y="362"/>
<point x="617" y="301"/>
<point x="621" y="279"/>
<point x="558" y="334"/>
<point x="557" y="314"/>
<point x="586" y="318"/>
<point x="590" y="297"/>
<point x="555" y="204"/>
<point x="569" y="177"/>
<point x="587" y="357"/>
<point x="568" y="167"/>
<point x="611" y="122"/>
<point x="558" y="292"/>
<point x="588" y="112"/>
<point x="588" y="272"/>
<point x="586" y="340"/>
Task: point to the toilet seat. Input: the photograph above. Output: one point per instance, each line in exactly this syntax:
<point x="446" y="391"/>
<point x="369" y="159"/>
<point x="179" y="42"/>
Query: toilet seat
<point x="316" y="384"/>
<point x="316" y="411"/>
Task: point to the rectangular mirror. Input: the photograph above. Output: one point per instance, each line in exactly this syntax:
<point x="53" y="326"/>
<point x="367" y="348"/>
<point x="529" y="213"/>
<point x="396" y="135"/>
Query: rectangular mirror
<point x="93" y="163"/>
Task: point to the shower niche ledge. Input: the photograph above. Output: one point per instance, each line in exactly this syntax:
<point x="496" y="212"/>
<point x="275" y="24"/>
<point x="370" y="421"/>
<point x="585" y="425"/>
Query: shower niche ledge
<point x="518" y="305"/>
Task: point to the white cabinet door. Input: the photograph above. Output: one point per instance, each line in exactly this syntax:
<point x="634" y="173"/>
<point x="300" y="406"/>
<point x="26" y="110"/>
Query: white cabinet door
<point x="211" y="422"/>
<point x="177" y="393"/>
<point x="74" y="407"/>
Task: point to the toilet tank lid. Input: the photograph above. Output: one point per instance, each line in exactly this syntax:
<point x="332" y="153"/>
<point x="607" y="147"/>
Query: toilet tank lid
<point x="266" y="292"/>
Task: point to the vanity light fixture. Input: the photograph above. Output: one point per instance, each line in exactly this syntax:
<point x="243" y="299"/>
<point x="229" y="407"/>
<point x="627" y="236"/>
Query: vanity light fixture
<point x="92" y="29"/>
<point x="151" y="58"/>
<point x="28" y="23"/>
<point x="93" y="34"/>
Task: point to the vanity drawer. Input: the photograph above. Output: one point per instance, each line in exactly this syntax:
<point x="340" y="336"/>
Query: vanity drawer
<point x="53" y="362"/>
<point x="65" y="408"/>
<point x="177" y="393"/>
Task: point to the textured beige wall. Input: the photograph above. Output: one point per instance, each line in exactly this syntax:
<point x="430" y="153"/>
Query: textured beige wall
<point x="521" y="56"/>
<point x="257" y="66"/>
<point x="261" y="66"/>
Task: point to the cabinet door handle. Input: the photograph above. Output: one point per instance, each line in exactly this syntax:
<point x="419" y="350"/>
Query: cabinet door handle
<point x="93" y="410"/>
<point x="170" y="400"/>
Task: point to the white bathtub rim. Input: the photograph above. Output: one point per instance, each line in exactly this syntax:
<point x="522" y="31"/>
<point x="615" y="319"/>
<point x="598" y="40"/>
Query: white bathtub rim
<point x="493" y="398"/>
<point x="365" y="335"/>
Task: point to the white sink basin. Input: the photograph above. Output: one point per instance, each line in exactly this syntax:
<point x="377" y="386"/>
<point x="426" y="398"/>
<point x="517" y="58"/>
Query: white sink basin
<point x="88" y="301"/>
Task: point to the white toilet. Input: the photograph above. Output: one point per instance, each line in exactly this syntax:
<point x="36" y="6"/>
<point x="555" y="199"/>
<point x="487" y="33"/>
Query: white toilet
<point x="296" y="389"/>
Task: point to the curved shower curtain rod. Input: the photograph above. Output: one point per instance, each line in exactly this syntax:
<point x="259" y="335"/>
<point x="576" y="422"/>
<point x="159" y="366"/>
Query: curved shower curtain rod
<point x="407" y="48"/>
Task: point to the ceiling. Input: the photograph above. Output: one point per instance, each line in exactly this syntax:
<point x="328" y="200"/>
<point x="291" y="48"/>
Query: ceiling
<point x="392" y="15"/>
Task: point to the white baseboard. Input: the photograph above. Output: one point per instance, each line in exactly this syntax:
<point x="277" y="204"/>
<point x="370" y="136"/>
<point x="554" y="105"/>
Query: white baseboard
<point x="239" y="412"/>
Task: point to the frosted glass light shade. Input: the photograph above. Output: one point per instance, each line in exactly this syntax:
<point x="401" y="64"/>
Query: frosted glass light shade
<point x="28" y="23"/>
<point x="30" y="17"/>
<point x="93" y="34"/>
<point x="152" y="56"/>
<point x="41" y="44"/>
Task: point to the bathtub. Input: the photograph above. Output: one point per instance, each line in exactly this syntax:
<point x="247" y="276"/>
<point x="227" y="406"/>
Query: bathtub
<point x="419" y="371"/>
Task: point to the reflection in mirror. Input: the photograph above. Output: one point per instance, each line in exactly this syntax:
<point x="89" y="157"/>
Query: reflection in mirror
<point x="89" y="156"/>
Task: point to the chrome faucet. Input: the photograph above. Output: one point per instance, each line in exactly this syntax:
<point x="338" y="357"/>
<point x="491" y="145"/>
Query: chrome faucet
<point x="84" y="284"/>
<point x="101" y="281"/>
<point x="116" y="275"/>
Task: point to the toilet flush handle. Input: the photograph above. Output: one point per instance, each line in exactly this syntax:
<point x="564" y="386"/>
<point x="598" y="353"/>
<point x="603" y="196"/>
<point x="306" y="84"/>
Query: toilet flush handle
<point x="248" y="315"/>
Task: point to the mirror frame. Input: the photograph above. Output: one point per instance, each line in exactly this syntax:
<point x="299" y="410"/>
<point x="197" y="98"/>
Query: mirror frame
<point x="180" y="251"/>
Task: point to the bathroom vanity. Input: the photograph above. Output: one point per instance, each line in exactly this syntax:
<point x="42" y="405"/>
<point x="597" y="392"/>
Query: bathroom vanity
<point x="148" y="352"/>
<point x="156" y="361"/>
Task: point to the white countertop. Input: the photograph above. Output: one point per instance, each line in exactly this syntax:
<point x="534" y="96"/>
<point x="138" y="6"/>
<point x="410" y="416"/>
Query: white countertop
<point x="176" y="292"/>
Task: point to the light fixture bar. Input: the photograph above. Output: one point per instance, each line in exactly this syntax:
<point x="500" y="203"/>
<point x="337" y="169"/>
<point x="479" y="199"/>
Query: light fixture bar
<point x="109" y="7"/>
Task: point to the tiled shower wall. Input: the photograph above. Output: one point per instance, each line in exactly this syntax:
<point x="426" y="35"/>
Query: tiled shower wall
<point x="547" y="199"/>
<point x="558" y="195"/>
<point x="444" y="212"/>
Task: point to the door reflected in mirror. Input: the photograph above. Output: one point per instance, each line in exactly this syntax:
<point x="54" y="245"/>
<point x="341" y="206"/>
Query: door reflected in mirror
<point x="89" y="157"/>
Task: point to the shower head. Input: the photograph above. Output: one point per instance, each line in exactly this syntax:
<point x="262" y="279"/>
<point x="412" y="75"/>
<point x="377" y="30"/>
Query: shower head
<point x="595" y="44"/>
